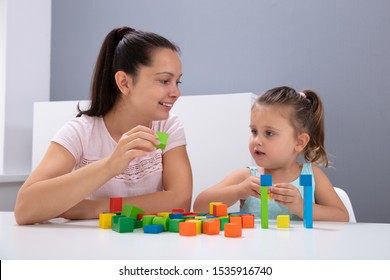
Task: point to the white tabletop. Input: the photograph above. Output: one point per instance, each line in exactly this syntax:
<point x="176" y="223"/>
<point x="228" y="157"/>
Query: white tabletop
<point x="63" y="239"/>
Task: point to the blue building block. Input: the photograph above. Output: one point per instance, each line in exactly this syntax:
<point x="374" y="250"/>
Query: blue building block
<point x="153" y="229"/>
<point x="305" y="180"/>
<point x="266" y="180"/>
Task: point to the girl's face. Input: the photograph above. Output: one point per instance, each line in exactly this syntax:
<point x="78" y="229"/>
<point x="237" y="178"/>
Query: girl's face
<point x="155" y="90"/>
<point x="273" y="142"/>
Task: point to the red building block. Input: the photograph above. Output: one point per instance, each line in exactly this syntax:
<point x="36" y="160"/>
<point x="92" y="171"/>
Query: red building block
<point x="115" y="204"/>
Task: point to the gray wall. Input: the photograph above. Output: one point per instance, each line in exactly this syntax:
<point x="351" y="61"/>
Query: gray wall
<point x="340" y="48"/>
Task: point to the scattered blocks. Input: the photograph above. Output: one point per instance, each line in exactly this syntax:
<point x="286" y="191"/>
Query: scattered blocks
<point x="211" y="207"/>
<point x="235" y="219"/>
<point x="198" y="224"/>
<point x="161" y="221"/>
<point x="220" y="210"/>
<point x="154" y="229"/>
<point x="187" y="229"/>
<point x="283" y="221"/>
<point x="211" y="226"/>
<point x="122" y="224"/>
<point x="105" y="220"/>
<point x="163" y="138"/>
<point x="173" y="225"/>
<point x="248" y="221"/>
<point x="233" y="230"/>
<point x="131" y="211"/>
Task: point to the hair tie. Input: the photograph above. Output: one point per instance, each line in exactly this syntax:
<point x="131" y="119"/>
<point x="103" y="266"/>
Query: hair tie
<point x="301" y="93"/>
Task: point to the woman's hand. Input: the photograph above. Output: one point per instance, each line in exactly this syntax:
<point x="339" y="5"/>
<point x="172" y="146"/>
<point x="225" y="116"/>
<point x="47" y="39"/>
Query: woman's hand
<point x="133" y="144"/>
<point x="288" y="196"/>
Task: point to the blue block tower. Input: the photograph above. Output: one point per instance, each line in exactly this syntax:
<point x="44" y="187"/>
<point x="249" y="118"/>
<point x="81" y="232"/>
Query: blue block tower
<point x="305" y="180"/>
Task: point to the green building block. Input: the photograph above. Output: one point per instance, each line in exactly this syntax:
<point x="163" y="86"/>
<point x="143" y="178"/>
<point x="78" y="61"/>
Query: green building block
<point x="173" y="224"/>
<point x="147" y="220"/>
<point x="131" y="211"/>
<point x="223" y="220"/>
<point x="122" y="224"/>
<point x="164" y="221"/>
<point x="163" y="138"/>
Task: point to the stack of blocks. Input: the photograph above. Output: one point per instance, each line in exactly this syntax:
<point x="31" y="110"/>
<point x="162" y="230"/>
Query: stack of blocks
<point x="129" y="217"/>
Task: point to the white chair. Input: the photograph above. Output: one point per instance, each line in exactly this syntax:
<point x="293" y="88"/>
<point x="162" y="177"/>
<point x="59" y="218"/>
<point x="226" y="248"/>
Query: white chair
<point x="347" y="202"/>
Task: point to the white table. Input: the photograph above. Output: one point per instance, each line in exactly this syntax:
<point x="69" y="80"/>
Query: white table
<point x="77" y="240"/>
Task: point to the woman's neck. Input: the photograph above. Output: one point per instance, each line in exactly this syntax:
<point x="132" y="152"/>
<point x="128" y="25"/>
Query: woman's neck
<point x="119" y="122"/>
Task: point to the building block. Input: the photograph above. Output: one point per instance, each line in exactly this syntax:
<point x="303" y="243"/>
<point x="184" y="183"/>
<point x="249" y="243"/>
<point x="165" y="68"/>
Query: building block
<point x="211" y="226"/>
<point x="147" y="220"/>
<point x="163" y="214"/>
<point x="211" y="207"/>
<point x="283" y="221"/>
<point x="265" y="182"/>
<point x="233" y="230"/>
<point x="116" y="204"/>
<point x="248" y="221"/>
<point x="131" y="211"/>
<point x="176" y="215"/>
<point x="154" y="229"/>
<point x="173" y="225"/>
<point x="164" y="221"/>
<point x="178" y="210"/>
<point x="122" y="224"/>
<point x="163" y="138"/>
<point x="305" y="180"/>
<point x="138" y="224"/>
<point x="187" y="229"/>
<point x="235" y="219"/>
<point x="198" y="225"/>
<point x="223" y="221"/>
<point x="105" y="220"/>
<point x="220" y="210"/>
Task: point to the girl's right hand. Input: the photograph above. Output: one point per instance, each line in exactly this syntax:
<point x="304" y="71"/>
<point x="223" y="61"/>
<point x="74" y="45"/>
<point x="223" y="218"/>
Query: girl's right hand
<point x="133" y="144"/>
<point x="249" y="187"/>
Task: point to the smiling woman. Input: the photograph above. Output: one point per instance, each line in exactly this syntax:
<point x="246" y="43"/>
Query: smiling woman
<point x="109" y="149"/>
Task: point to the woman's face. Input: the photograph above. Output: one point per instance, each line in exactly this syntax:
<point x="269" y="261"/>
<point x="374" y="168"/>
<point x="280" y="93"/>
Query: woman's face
<point x="156" y="90"/>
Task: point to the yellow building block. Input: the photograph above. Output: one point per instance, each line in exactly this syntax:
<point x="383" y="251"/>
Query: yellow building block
<point x="105" y="220"/>
<point x="163" y="214"/>
<point x="283" y="221"/>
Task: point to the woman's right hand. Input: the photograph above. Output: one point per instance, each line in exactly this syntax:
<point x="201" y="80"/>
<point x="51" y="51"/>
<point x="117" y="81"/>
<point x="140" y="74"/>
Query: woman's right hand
<point x="133" y="144"/>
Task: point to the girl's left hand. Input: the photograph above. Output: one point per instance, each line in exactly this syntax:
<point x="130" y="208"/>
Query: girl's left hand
<point x="289" y="196"/>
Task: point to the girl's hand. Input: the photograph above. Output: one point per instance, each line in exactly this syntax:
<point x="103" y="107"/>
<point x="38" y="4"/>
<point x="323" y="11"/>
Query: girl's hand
<point x="249" y="187"/>
<point x="133" y="144"/>
<point x="288" y="196"/>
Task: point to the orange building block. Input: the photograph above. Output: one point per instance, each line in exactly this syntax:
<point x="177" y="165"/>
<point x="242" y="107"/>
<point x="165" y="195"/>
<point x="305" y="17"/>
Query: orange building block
<point x="248" y="221"/>
<point x="211" y="206"/>
<point x="220" y="210"/>
<point x="187" y="229"/>
<point x="198" y="225"/>
<point x="235" y="219"/>
<point x="233" y="230"/>
<point x="211" y="226"/>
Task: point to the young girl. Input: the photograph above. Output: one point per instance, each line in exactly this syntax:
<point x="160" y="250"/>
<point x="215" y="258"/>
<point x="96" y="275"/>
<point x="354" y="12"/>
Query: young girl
<point x="109" y="150"/>
<point x="284" y="124"/>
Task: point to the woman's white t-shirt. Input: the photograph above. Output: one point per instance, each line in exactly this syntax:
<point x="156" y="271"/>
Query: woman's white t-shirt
<point x="88" y="140"/>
